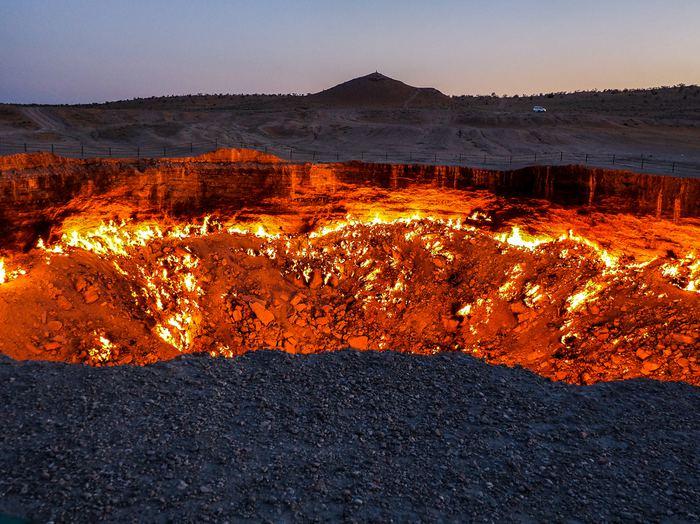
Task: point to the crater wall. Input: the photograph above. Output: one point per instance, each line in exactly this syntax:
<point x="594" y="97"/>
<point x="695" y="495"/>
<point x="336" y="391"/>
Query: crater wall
<point x="38" y="190"/>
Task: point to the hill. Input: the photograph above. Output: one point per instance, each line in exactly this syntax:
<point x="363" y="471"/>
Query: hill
<point x="377" y="90"/>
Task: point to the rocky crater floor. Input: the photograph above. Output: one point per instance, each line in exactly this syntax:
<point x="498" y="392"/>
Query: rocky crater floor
<point x="271" y="436"/>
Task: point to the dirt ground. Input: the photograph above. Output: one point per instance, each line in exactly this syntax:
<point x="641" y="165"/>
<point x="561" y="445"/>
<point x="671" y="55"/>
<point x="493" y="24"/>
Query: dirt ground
<point x="396" y="122"/>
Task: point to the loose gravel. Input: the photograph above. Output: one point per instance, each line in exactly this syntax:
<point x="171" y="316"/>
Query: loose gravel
<point x="341" y="436"/>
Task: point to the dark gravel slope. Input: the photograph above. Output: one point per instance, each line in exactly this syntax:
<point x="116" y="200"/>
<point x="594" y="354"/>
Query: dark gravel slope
<point x="358" y="436"/>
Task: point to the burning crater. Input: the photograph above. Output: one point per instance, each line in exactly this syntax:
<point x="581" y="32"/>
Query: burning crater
<point x="579" y="275"/>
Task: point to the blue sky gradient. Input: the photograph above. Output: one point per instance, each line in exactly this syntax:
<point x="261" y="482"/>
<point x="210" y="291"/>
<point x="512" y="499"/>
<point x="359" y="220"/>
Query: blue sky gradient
<point x="91" y="51"/>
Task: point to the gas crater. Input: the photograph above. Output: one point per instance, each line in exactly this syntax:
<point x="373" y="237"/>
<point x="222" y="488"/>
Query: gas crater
<point x="567" y="272"/>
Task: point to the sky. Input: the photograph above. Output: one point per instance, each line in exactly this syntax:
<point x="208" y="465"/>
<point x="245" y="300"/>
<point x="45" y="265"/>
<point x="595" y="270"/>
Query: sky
<point x="74" y="51"/>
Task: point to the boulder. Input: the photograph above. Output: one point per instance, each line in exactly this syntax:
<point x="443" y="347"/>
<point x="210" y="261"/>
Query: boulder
<point x="358" y="342"/>
<point x="643" y="354"/>
<point x="91" y="295"/>
<point x="264" y="315"/>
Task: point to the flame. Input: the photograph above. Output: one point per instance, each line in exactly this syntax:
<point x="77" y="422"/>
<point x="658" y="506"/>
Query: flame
<point x="376" y="259"/>
<point x="465" y="311"/>
<point x="517" y="239"/>
<point x="507" y="289"/>
<point x="611" y="261"/>
<point x="7" y="275"/>
<point x="101" y="353"/>
<point x="588" y="294"/>
<point x="684" y="273"/>
<point x="479" y="216"/>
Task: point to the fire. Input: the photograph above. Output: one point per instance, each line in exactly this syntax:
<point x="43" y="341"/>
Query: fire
<point x="611" y="261"/>
<point x="588" y="294"/>
<point x="684" y="273"/>
<point x="508" y="288"/>
<point x="465" y="311"/>
<point x="517" y="239"/>
<point x="391" y="280"/>
<point x="112" y="238"/>
<point x="102" y="351"/>
<point x="9" y="275"/>
<point x="533" y="294"/>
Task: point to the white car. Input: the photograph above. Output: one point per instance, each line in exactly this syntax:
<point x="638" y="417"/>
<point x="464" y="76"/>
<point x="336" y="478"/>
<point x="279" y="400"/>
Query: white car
<point x="539" y="109"/>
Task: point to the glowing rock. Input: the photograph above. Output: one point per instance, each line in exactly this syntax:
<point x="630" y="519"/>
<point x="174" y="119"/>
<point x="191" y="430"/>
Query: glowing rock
<point x="264" y="315"/>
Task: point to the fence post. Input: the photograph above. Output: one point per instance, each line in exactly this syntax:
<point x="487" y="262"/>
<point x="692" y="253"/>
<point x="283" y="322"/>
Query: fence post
<point x="337" y="156"/>
<point x="386" y="157"/>
<point x="138" y="151"/>
<point x="673" y="168"/>
<point x="435" y="158"/>
<point x="25" y="147"/>
<point x="561" y="156"/>
<point x="291" y="151"/>
<point x="110" y="151"/>
<point x="410" y="156"/>
<point x="586" y="158"/>
<point x="535" y="158"/>
<point x="164" y="153"/>
<point x="642" y="167"/>
<point x="190" y="148"/>
<point x="460" y="158"/>
<point x="313" y="158"/>
<point x="362" y="156"/>
<point x="510" y="160"/>
<point x="613" y="159"/>
<point x="52" y="149"/>
<point x="216" y="144"/>
<point x="82" y="151"/>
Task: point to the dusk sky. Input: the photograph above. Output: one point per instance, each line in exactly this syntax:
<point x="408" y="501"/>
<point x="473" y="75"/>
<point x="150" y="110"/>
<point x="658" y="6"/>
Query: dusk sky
<point x="92" y="51"/>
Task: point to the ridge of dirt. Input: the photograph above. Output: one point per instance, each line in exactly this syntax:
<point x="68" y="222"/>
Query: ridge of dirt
<point x="21" y="161"/>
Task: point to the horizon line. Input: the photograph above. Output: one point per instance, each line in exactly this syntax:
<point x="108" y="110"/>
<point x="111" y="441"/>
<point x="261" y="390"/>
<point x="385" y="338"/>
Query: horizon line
<point x="493" y="94"/>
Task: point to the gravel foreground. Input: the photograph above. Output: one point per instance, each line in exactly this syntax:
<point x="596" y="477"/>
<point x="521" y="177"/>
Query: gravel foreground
<point x="341" y="436"/>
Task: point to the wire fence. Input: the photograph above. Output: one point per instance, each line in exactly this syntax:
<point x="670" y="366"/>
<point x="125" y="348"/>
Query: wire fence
<point x="640" y="163"/>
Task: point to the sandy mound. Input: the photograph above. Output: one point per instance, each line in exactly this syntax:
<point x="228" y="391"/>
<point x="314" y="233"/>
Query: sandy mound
<point x="234" y="155"/>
